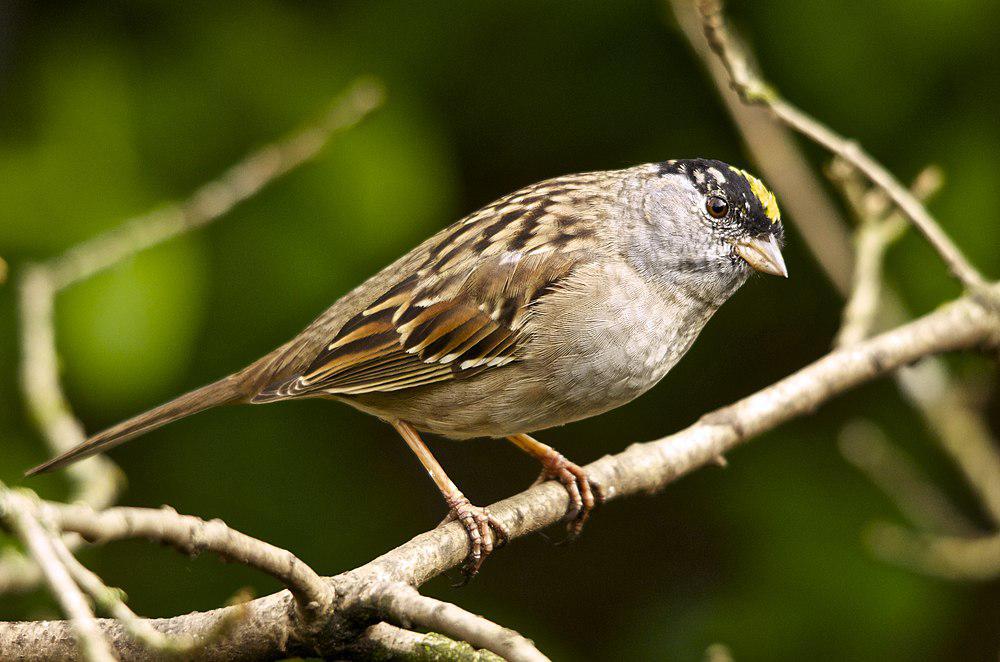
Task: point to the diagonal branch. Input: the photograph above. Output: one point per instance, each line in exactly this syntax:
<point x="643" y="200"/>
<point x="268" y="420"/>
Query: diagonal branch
<point x="401" y="603"/>
<point x="271" y="630"/>
<point x="97" y="481"/>
<point x="17" y="511"/>
<point x="193" y="535"/>
<point x="216" y="198"/>
<point x="113" y="603"/>
<point x="755" y="91"/>
<point x="928" y="386"/>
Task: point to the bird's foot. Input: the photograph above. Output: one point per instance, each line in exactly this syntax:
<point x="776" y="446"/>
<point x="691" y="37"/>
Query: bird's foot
<point x="584" y="493"/>
<point x="485" y="533"/>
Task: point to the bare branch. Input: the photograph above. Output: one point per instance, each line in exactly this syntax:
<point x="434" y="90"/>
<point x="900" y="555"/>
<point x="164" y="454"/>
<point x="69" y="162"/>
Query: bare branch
<point x="388" y="642"/>
<point x="879" y="226"/>
<point x="137" y="627"/>
<point x="942" y="556"/>
<point x="778" y="156"/>
<point x="272" y="630"/>
<point x="192" y="535"/>
<point x="17" y="511"/>
<point x="865" y="445"/>
<point x="961" y="427"/>
<point x="97" y="481"/>
<point x="964" y="433"/>
<point x="216" y="198"/>
<point x="752" y="89"/>
<point x="402" y="603"/>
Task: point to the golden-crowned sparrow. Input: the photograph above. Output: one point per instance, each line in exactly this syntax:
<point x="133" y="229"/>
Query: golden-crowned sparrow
<point x="557" y="302"/>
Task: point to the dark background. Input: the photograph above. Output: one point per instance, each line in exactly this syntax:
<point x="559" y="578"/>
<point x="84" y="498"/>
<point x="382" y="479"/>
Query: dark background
<point x="109" y="109"/>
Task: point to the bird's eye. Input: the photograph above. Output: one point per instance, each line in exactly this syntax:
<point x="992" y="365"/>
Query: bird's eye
<point x="716" y="206"/>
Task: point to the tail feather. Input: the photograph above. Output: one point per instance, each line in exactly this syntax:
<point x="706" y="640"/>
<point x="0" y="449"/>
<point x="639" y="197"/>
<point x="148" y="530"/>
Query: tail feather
<point x="230" y="389"/>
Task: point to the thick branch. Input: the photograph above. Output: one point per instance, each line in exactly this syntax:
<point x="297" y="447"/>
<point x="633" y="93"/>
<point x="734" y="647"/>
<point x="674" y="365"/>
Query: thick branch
<point x="112" y="602"/>
<point x="271" y="630"/>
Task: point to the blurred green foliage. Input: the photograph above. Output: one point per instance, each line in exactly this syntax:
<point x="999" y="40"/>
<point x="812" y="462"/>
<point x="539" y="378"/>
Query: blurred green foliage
<point x="109" y="109"/>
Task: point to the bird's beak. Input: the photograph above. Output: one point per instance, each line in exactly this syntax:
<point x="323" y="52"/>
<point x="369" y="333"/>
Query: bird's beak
<point x="762" y="254"/>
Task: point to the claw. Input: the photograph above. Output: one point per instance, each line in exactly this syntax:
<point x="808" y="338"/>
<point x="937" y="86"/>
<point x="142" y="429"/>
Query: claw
<point x="485" y="534"/>
<point x="584" y="494"/>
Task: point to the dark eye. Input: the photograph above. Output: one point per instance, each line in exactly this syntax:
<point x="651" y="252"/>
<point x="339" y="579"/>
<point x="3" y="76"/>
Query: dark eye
<point x="716" y="206"/>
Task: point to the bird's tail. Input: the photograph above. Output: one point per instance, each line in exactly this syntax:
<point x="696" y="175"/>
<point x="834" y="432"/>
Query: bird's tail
<point x="224" y="391"/>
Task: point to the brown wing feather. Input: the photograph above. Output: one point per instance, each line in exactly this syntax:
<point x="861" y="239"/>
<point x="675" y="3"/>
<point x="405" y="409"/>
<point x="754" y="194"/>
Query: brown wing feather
<point x="466" y="305"/>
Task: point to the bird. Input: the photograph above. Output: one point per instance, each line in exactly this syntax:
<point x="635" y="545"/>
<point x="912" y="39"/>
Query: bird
<point x="560" y="301"/>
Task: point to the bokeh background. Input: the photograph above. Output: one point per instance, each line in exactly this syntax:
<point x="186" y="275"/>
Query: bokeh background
<point x="109" y="109"/>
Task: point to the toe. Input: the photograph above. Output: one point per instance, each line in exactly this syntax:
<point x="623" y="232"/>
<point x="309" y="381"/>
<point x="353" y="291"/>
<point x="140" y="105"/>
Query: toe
<point x="577" y="500"/>
<point x="500" y="533"/>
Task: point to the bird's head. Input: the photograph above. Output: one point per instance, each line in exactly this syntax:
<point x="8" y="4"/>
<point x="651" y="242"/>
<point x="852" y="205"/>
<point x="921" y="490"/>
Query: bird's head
<point x="706" y="226"/>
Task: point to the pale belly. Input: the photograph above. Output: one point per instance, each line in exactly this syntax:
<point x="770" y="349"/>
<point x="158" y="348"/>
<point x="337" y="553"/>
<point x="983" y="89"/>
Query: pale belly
<point x="621" y="354"/>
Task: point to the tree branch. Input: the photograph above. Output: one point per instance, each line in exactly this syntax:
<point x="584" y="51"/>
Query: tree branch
<point x="401" y="603"/>
<point x="111" y="601"/>
<point x="879" y="226"/>
<point x="17" y="512"/>
<point x="193" y="535"/>
<point x="218" y="197"/>
<point x="950" y="557"/>
<point x="388" y="642"/>
<point x="929" y="387"/>
<point x="271" y="629"/>
<point x="865" y="445"/>
<point x="754" y="90"/>
<point x="97" y="481"/>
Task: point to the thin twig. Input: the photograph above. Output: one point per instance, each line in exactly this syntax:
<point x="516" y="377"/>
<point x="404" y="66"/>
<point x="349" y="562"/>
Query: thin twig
<point x="110" y="600"/>
<point x="18" y="513"/>
<point x="97" y="481"/>
<point x="216" y="198"/>
<point x="943" y="556"/>
<point x="193" y="535"/>
<point x="879" y="226"/>
<point x="753" y="90"/>
<point x="960" y="426"/>
<point x="403" y="604"/>
<point x="962" y="429"/>
<point x="383" y="641"/>
<point x="865" y="445"/>
<point x="775" y="153"/>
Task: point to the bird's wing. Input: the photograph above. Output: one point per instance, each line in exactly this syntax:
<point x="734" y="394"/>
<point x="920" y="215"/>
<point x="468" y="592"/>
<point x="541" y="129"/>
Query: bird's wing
<point x="464" y="308"/>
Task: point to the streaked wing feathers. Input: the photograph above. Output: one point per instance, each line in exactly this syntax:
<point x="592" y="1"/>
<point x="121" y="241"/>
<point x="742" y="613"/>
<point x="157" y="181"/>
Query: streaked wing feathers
<point x="466" y="306"/>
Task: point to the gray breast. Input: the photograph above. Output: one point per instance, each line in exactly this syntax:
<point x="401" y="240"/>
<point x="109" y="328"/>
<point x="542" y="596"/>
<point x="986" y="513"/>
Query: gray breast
<point x="609" y="337"/>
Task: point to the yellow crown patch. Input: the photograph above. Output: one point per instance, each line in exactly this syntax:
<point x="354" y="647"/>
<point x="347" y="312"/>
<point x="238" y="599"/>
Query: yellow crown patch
<point x="767" y="199"/>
